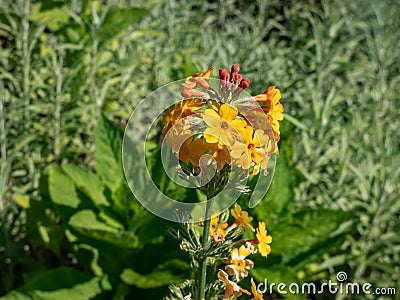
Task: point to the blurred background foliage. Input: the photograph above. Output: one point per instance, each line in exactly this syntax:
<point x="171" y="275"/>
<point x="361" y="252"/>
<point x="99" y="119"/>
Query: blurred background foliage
<point x="72" y="72"/>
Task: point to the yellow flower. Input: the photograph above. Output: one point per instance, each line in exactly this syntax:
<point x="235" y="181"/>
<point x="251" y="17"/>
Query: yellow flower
<point x="221" y="229"/>
<point x="230" y="286"/>
<point x="270" y="103"/>
<point x="214" y="222"/>
<point x="263" y="240"/>
<point x="184" y="151"/>
<point x="191" y="151"/>
<point x="257" y="295"/>
<point x="241" y="217"/>
<point x="251" y="152"/>
<point x="238" y="264"/>
<point x="178" y="136"/>
<point x="220" y="234"/>
<point x="181" y="110"/>
<point x="270" y="148"/>
<point x="220" y="154"/>
<point x="222" y="125"/>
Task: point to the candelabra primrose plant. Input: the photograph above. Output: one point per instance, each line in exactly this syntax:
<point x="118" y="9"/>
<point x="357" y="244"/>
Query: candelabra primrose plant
<point x="239" y="134"/>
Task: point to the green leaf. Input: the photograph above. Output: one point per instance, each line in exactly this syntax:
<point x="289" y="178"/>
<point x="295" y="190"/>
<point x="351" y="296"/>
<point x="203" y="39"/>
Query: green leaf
<point x="21" y="200"/>
<point x="161" y="178"/>
<point x="61" y="284"/>
<point x="62" y="189"/>
<point x="124" y="206"/>
<point x="43" y="228"/>
<point x="86" y="220"/>
<point x="167" y="273"/>
<point x="306" y="234"/>
<point x="280" y="193"/>
<point x="53" y="18"/>
<point x="108" y="153"/>
<point x="87" y="182"/>
<point x="86" y="223"/>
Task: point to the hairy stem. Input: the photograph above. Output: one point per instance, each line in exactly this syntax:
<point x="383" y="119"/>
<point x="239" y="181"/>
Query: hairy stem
<point x="206" y="234"/>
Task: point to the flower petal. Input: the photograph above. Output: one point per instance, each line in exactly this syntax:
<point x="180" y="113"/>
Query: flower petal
<point x="212" y="135"/>
<point x="228" y="112"/>
<point x="212" y="120"/>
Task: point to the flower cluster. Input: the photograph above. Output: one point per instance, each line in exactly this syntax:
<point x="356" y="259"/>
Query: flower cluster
<point x="229" y="250"/>
<point x="216" y="124"/>
<point x="238" y="263"/>
<point x="235" y="132"/>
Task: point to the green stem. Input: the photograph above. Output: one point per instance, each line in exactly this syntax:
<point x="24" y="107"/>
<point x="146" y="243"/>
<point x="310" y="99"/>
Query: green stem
<point x="206" y="234"/>
<point x="58" y="63"/>
<point x="3" y="150"/>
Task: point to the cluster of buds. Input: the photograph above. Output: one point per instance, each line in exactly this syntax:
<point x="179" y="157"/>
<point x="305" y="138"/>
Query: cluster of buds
<point x="234" y="78"/>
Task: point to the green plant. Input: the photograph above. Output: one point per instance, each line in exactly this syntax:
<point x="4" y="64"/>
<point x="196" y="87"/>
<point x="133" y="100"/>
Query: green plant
<point x="93" y="232"/>
<point x="337" y="64"/>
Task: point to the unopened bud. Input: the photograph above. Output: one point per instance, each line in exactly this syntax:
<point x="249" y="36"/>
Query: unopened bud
<point x="238" y="78"/>
<point x="244" y="83"/>
<point x="235" y="68"/>
<point x="223" y="74"/>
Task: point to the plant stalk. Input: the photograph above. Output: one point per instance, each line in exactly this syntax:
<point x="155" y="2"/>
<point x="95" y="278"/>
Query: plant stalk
<point x="206" y="236"/>
<point x="57" y="113"/>
<point x="3" y="143"/>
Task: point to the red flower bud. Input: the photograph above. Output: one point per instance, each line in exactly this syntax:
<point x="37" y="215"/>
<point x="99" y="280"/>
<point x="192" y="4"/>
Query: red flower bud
<point x="223" y="74"/>
<point x="244" y="83"/>
<point x="235" y="69"/>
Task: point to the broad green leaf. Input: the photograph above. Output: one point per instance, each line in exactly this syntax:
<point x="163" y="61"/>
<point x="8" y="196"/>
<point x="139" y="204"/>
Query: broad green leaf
<point x="124" y="206"/>
<point x="87" y="182"/>
<point x="86" y="223"/>
<point x="108" y="153"/>
<point x="87" y="220"/>
<point x="62" y="189"/>
<point x="306" y="233"/>
<point x="61" y="284"/>
<point x="168" y="273"/>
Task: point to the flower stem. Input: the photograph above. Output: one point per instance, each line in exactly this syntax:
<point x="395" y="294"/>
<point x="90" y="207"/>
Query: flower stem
<point x="206" y="234"/>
